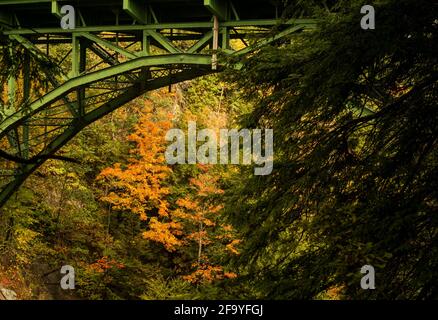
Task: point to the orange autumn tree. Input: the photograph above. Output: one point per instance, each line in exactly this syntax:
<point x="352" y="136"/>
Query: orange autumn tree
<point x="203" y="228"/>
<point x="188" y="225"/>
<point x="139" y="187"/>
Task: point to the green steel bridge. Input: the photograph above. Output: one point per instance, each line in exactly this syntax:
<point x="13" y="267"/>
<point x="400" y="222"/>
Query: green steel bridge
<point x="57" y="81"/>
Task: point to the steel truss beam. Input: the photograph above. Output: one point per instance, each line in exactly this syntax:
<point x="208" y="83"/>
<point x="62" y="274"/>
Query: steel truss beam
<point x="267" y="23"/>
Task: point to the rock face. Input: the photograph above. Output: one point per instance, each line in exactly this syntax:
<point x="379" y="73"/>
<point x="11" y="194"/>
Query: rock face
<point x="6" y="294"/>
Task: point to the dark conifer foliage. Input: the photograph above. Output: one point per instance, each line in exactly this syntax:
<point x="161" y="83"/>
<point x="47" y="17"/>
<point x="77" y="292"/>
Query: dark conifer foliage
<point x="355" y="175"/>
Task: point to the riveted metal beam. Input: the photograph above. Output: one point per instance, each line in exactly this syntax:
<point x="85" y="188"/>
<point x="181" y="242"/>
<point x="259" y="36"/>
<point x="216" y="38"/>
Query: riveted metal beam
<point x="309" y="23"/>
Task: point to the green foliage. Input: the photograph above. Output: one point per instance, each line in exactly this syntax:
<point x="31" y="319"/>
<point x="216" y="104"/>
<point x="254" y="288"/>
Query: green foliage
<point x="354" y="182"/>
<point x="171" y="289"/>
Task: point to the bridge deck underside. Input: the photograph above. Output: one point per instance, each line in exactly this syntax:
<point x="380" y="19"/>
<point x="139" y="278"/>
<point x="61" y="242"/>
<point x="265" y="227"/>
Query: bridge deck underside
<point x="102" y="12"/>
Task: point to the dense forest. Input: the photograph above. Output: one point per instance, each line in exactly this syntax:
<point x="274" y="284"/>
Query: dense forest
<point x="354" y="182"/>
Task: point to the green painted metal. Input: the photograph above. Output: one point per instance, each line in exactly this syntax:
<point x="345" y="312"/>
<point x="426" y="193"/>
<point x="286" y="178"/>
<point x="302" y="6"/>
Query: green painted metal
<point x="179" y="25"/>
<point x="202" y="42"/>
<point x="163" y="41"/>
<point x="136" y="9"/>
<point x="26" y="95"/>
<point x="56" y="9"/>
<point x="122" y="49"/>
<point x="145" y="43"/>
<point x="218" y="8"/>
<point x="75" y="57"/>
<point x="106" y="44"/>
